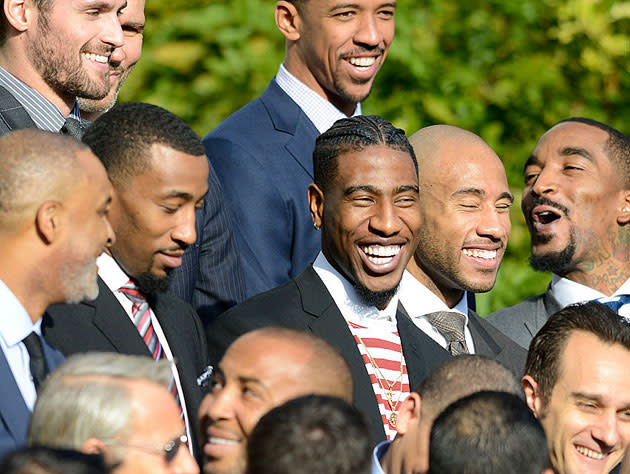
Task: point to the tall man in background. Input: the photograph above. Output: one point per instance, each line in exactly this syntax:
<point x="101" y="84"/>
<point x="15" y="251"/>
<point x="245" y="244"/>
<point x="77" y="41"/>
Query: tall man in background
<point x="262" y="153"/>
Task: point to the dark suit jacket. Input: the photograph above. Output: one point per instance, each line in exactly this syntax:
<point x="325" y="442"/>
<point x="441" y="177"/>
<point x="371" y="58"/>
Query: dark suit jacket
<point x="263" y="156"/>
<point x="14" y="414"/>
<point x="210" y="276"/>
<point x="103" y="325"/>
<point x="304" y="303"/>
<point x="12" y="115"/>
<point x="521" y="322"/>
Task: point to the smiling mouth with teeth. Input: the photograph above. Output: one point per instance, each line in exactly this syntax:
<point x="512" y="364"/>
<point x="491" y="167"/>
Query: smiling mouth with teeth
<point x="485" y="254"/>
<point x="590" y="453"/>
<point x="230" y="442"/>
<point x="99" y="58"/>
<point x="363" y="62"/>
<point x="379" y="254"/>
<point x="545" y="217"/>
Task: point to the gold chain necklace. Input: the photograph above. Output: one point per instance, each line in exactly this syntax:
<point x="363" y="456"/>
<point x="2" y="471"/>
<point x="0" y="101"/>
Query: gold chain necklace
<point x="393" y="407"/>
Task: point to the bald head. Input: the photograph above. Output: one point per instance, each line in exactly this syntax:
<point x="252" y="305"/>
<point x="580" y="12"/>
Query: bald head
<point x="464" y="205"/>
<point x="37" y="166"/>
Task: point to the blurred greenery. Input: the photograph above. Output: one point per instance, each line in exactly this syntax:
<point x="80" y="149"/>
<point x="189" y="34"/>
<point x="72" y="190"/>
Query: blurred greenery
<point x="505" y="70"/>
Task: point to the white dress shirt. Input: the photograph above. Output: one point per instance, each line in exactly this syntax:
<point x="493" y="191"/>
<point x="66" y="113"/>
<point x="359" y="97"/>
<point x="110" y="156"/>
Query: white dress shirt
<point x="322" y="113"/>
<point x="419" y="301"/>
<point x="114" y="277"/>
<point x="15" y="325"/>
<point x="568" y="292"/>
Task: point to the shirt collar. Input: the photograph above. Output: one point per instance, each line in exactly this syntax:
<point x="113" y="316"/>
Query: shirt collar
<point x="418" y="300"/>
<point x="43" y="112"/>
<point x="15" y="323"/>
<point x="568" y="292"/>
<point x="110" y="272"/>
<point x="321" y="112"/>
<point x="346" y="297"/>
<point x="377" y="454"/>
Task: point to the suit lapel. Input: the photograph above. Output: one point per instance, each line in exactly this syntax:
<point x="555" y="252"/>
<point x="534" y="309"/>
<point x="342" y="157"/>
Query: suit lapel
<point x="484" y="344"/>
<point x="328" y="323"/>
<point x="12" y="114"/>
<point x="287" y="117"/>
<point x="421" y="352"/>
<point x="111" y="319"/>
<point x="13" y="409"/>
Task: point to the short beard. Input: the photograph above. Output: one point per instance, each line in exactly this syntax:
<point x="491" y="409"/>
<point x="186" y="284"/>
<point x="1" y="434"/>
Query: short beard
<point x="379" y="299"/>
<point x="557" y="262"/>
<point x="150" y="284"/>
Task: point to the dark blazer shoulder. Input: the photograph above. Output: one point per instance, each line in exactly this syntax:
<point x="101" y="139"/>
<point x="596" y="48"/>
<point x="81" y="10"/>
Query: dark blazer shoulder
<point x="12" y="115"/>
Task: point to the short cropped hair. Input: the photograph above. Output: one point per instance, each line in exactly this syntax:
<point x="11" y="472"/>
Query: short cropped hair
<point x="460" y="376"/>
<point x="547" y="348"/>
<point x="488" y="433"/>
<point x="42" y="460"/>
<point x="86" y="397"/>
<point x="354" y="134"/>
<point x="617" y="147"/>
<point x="310" y="435"/>
<point x="122" y="138"/>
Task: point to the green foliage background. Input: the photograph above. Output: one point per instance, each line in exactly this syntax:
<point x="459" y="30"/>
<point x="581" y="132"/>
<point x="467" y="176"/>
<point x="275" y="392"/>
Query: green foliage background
<point x="506" y="70"/>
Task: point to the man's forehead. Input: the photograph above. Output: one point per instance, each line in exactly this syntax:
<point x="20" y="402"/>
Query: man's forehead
<point x="133" y="13"/>
<point x="574" y="134"/>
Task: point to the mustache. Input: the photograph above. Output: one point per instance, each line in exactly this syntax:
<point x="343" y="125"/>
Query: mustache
<point x="543" y="201"/>
<point x="361" y="50"/>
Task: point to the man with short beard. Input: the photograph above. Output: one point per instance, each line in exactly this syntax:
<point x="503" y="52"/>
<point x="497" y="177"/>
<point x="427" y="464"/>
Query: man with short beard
<point x="54" y="200"/>
<point x="365" y="201"/>
<point x="51" y="52"/>
<point x="159" y="171"/>
<point x="576" y="202"/>
<point x="334" y="50"/>
<point x="465" y="210"/>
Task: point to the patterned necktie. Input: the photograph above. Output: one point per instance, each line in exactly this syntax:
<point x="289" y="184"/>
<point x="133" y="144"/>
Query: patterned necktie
<point x="451" y="326"/>
<point x="141" y="315"/>
<point x="37" y="361"/>
<point x="73" y="127"/>
<point x="619" y="303"/>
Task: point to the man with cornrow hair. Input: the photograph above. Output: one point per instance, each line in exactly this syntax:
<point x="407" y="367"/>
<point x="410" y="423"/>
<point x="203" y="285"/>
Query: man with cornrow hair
<point x="365" y="200"/>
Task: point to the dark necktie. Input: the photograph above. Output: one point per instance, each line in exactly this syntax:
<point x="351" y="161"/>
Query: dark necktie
<point x="73" y="127"/>
<point x="451" y="325"/>
<point x="36" y="353"/>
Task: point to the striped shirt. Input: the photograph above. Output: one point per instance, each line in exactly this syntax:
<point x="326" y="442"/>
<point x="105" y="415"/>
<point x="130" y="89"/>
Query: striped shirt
<point x="44" y="113"/>
<point x="389" y="378"/>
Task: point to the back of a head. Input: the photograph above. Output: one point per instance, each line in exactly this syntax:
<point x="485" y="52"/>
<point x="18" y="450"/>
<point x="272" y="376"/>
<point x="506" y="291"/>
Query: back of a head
<point x="326" y="373"/>
<point x="37" y="166"/>
<point x="310" y="435"/>
<point x="460" y="376"/>
<point x="547" y="347"/>
<point x="488" y="433"/>
<point x="88" y="396"/>
<point x="354" y="134"/>
<point x="123" y="136"/>
<point x="41" y="460"/>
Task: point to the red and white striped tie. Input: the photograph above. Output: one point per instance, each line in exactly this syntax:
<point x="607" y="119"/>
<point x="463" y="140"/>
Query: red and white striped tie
<point x="141" y="316"/>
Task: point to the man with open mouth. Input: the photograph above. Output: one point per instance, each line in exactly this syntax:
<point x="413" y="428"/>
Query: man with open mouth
<point x="465" y="210"/>
<point x="576" y="203"/>
<point x="333" y="53"/>
<point x="365" y="201"/>
<point x="576" y="383"/>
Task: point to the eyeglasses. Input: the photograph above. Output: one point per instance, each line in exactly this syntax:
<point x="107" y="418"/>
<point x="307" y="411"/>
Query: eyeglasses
<point x="169" y="450"/>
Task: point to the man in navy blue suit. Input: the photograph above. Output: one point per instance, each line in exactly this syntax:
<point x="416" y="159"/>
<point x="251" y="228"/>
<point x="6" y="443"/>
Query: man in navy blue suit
<point x="54" y="199"/>
<point x="262" y="154"/>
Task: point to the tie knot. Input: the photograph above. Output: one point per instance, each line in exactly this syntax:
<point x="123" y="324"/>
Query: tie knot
<point x="131" y="291"/>
<point x="451" y="325"/>
<point x="73" y="127"/>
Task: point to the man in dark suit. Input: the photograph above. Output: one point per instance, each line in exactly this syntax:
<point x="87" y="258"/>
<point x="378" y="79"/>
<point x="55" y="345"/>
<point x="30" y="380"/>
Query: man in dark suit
<point x="54" y="196"/>
<point x="50" y="53"/>
<point x="158" y="168"/>
<point x="464" y="205"/>
<point x="262" y="153"/>
<point x="365" y="200"/>
<point x="576" y="203"/>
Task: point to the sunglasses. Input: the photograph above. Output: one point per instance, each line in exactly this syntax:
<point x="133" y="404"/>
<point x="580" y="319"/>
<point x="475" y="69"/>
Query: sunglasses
<point x="169" y="450"/>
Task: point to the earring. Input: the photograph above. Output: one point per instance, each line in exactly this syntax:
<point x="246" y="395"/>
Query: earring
<point x="316" y="226"/>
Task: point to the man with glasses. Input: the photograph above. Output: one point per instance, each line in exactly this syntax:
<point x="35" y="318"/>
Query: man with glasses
<point x="117" y="405"/>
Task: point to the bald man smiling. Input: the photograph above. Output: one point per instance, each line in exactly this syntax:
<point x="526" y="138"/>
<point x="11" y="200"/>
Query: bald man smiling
<point x="464" y="207"/>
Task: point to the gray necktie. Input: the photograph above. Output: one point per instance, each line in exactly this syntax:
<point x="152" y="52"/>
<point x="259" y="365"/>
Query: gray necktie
<point x="37" y="361"/>
<point x="451" y="326"/>
<point x="73" y="127"/>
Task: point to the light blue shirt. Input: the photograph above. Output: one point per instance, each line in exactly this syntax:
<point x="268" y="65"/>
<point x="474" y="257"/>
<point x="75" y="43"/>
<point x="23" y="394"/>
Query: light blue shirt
<point x="15" y="325"/>
<point x="377" y="455"/>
